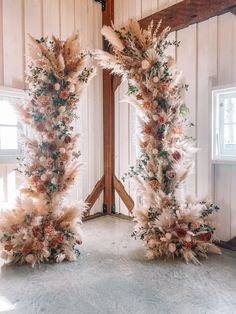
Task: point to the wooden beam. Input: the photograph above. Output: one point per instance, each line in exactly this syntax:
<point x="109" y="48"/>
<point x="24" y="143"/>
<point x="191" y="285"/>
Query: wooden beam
<point x="108" y="123"/>
<point x="129" y="203"/>
<point x="97" y="215"/>
<point x="188" y="12"/>
<point x="183" y="14"/>
<point x="94" y="195"/>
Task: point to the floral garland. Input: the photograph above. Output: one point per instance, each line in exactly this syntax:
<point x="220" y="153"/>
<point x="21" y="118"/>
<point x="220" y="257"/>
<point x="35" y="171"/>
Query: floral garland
<point x="40" y="228"/>
<point x="169" y="224"/>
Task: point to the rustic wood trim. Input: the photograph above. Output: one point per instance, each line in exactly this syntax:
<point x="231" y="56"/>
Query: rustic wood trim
<point x="187" y="12"/>
<point x="129" y="203"/>
<point x="108" y="123"/>
<point x="123" y="217"/>
<point x="183" y="14"/>
<point x="97" y="215"/>
<point x="116" y="82"/>
<point x="94" y="195"/>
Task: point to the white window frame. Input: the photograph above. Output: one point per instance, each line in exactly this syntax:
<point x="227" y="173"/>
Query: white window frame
<point x="10" y="155"/>
<point x="218" y="154"/>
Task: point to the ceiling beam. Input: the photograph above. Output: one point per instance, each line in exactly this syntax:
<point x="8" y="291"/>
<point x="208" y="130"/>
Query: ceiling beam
<point x="187" y="12"/>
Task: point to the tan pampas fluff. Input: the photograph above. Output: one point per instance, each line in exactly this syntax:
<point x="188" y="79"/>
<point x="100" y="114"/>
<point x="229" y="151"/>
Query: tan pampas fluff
<point x="170" y="224"/>
<point x="112" y="37"/>
<point x="40" y="228"/>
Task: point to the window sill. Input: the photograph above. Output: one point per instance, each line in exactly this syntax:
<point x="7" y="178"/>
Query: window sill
<point x="224" y="162"/>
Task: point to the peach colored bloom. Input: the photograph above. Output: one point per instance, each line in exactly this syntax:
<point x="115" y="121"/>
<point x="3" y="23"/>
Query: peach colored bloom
<point x="43" y="99"/>
<point x="147" y="129"/>
<point x="64" y="157"/>
<point x="143" y="144"/>
<point x="176" y="131"/>
<point x="147" y="105"/>
<point x="8" y="247"/>
<point x="153" y="184"/>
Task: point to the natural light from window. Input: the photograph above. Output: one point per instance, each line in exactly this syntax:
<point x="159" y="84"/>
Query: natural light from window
<point x="9" y="147"/>
<point x="224" y="124"/>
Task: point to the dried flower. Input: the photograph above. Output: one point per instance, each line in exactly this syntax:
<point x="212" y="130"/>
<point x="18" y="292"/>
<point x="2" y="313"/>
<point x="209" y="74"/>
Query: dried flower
<point x="147" y="129"/>
<point x="147" y="105"/>
<point x="171" y="174"/>
<point x="8" y="247"/>
<point x="64" y="94"/>
<point x="176" y="155"/>
<point x="168" y="236"/>
<point x="172" y="247"/>
<point x="181" y="232"/>
<point x="155" y="79"/>
<point x="67" y="139"/>
<point x="43" y="177"/>
<point x="145" y="65"/>
<point x="188" y="245"/>
<point x="27" y="248"/>
<point x="43" y="99"/>
<point x="64" y="157"/>
<point x="40" y="127"/>
<point x="41" y="188"/>
<point x="153" y="184"/>
<point x="57" y="86"/>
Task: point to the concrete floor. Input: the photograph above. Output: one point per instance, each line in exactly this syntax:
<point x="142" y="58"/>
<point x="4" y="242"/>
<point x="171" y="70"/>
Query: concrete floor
<point x="113" y="276"/>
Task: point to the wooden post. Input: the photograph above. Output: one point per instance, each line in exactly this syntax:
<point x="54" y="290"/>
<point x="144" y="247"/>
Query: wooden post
<point x="108" y="124"/>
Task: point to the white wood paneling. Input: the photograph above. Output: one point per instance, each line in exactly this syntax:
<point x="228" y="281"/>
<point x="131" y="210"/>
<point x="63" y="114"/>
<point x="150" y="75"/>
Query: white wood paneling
<point x="13" y="32"/>
<point x="207" y="54"/>
<point x="60" y="18"/>
<point x="186" y="61"/>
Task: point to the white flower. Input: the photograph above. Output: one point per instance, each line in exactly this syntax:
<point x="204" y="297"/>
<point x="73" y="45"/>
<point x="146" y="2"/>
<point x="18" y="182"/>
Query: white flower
<point x="172" y="247"/>
<point x="60" y="257"/>
<point x="62" y="109"/>
<point x="72" y="88"/>
<point x="42" y="110"/>
<point x="168" y="236"/>
<point x="62" y="150"/>
<point x="188" y="238"/>
<point x="150" y="174"/>
<point x="145" y="64"/>
<point x="155" y="151"/>
<point x="43" y="177"/>
<point x="57" y="86"/>
<point x="155" y="117"/>
<point x="42" y="159"/>
<point x="155" y="79"/>
<point x="29" y="258"/>
<point x="54" y="181"/>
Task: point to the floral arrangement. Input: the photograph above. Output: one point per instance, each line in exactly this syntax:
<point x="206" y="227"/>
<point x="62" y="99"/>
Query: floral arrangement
<point x="169" y="223"/>
<point x="41" y="228"/>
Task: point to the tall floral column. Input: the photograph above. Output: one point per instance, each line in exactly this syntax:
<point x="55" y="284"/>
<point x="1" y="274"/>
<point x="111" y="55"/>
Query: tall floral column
<point x="41" y="228"/>
<point x="169" y="223"/>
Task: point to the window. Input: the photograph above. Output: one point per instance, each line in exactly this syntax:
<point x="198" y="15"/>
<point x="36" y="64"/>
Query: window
<point x="9" y="126"/>
<point x="224" y="124"/>
<point x="9" y="144"/>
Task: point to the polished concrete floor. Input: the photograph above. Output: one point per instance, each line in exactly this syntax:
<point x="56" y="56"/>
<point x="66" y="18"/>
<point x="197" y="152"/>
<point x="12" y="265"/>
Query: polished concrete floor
<point x="113" y="276"/>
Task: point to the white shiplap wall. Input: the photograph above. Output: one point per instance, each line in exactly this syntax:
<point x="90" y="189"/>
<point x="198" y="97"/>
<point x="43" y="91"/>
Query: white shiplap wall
<point x="61" y="18"/>
<point x="207" y="56"/>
